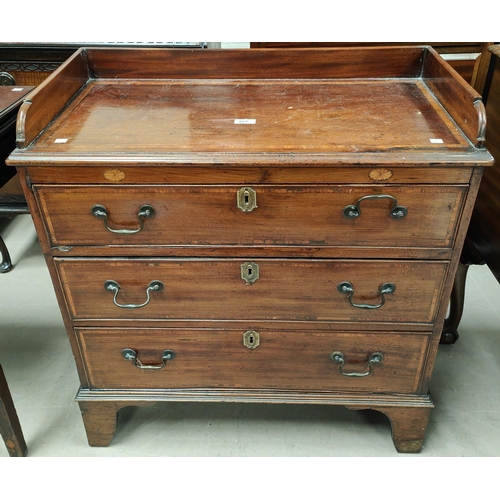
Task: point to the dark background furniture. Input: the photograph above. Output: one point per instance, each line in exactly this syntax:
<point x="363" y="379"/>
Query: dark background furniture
<point x="482" y="244"/>
<point x="10" y="428"/>
<point x="31" y="63"/>
<point x="12" y="200"/>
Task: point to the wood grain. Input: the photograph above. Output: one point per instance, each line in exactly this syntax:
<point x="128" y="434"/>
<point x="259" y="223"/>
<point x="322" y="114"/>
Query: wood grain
<point x="456" y="96"/>
<point x="207" y="216"/>
<point x="326" y="119"/>
<point x="287" y="290"/>
<point x="262" y="64"/>
<point x="317" y="117"/>
<point x="242" y="175"/>
<point x="306" y="100"/>
<point x="283" y="360"/>
<point x="51" y="96"/>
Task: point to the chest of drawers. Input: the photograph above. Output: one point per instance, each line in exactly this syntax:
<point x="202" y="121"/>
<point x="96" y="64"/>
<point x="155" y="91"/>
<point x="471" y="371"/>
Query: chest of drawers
<point x="253" y="226"/>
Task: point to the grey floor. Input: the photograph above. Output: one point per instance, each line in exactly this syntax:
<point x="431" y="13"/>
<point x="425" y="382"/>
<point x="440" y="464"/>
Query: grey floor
<point x="37" y="361"/>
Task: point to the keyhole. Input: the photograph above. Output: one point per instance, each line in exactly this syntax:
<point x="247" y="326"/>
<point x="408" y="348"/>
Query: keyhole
<point x="249" y="272"/>
<point x="246" y="199"/>
<point x="251" y="339"/>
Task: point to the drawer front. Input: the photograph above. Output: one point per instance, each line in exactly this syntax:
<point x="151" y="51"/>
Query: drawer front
<point x="292" y="216"/>
<point x="282" y="360"/>
<point x="249" y="175"/>
<point x="285" y="289"/>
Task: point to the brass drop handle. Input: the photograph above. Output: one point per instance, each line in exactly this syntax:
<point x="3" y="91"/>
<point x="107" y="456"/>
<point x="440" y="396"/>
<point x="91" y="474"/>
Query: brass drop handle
<point x="375" y="359"/>
<point x="114" y="287"/>
<point x="145" y="212"/>
<point x="396" y="212"/>
<point x="131" y="355"/>
<point x="347" y="288"/>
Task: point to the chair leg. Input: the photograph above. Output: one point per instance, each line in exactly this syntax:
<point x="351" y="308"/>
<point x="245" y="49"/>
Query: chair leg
<point x="449" y="334"/>
<point x="10" y="428"/>
<point x="6" y="264"/>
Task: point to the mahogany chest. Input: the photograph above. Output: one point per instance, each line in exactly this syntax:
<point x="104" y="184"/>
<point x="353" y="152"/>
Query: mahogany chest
<point x="253" y="225"/>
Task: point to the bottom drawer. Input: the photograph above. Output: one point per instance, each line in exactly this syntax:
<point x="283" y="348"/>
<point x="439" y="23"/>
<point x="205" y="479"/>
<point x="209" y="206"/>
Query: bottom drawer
<point x="266" y="360"/>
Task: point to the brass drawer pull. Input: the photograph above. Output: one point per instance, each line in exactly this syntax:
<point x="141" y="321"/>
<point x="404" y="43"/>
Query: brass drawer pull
<point x="131" y="355"/>
<point x="246" y="199"/>
<point x="346" y="287"/>
<point x="145" y="212"/>
<point x="114" y="287"/>
<point x="375" y="358"/>
<point x="396" y="212"/>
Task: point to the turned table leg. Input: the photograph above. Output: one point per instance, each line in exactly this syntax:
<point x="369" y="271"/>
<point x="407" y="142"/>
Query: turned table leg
<point x="6" y="264"/>
<point x="449" y="334"/>
<point x="10" y="428"/>
<point x="470" y="256"/>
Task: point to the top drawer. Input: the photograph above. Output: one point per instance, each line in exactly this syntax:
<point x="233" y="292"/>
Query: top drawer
<point x="307" y="216"/>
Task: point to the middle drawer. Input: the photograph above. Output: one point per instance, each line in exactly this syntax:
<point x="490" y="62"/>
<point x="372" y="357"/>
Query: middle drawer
<point x="256" y="290"/>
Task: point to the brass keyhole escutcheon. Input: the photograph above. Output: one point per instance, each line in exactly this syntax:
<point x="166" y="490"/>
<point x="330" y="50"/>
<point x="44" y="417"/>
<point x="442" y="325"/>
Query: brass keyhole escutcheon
<point x="251" y="339"/>
<point x="246" y="199"/>
<point x="249" y="272"/>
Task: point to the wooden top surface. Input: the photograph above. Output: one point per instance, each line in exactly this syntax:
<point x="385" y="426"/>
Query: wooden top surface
<point x="10" y="97"/>
<point x="314" y="116"/>
<point x="364" y="106"/>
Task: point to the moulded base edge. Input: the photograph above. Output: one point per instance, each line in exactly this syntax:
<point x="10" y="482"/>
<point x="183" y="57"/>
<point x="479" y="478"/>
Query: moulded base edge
<point x="408" y="414"/>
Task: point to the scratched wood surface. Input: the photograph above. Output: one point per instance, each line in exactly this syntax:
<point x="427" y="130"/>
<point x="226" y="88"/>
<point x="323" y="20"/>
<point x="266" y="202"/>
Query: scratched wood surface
<point x="316" y="117"/>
